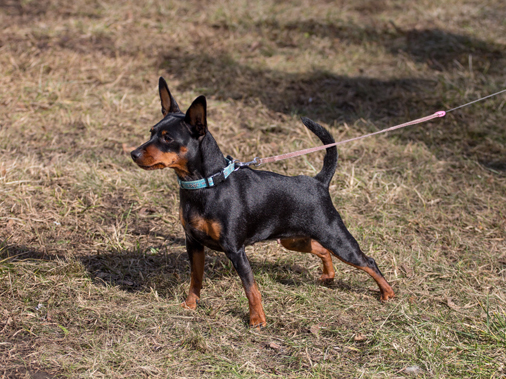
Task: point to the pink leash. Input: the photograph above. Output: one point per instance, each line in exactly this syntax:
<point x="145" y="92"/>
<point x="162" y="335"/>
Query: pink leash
<point x="313" y="149"/>
<point x="258" y="161"/>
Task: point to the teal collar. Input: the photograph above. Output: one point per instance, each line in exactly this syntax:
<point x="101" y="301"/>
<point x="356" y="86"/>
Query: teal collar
<point x="211" y="181"/>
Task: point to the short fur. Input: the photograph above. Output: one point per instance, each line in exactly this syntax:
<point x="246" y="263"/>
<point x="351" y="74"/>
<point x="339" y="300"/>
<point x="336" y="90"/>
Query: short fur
<point x="250" y="205"/>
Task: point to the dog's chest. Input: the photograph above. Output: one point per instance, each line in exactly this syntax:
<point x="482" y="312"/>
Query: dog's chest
<point x="206" y="230"/>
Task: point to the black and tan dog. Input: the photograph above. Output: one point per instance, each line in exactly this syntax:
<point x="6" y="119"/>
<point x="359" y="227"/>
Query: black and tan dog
<point x="226" y="209"/>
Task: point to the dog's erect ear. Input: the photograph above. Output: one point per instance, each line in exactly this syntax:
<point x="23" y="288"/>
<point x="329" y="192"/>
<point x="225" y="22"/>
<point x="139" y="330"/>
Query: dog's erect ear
<point x="169" y="105"/>
<point x="196" y="116"/>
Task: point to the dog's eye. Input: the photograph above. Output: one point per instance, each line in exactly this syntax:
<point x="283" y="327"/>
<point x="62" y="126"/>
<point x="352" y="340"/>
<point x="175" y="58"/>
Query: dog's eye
<point x="166" y="138"/>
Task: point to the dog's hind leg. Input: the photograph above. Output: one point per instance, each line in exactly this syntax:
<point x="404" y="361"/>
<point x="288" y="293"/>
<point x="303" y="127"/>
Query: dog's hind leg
<point x="307" y="245"/>
<point x="345" y="247"/>
<point x="372" y="269"/>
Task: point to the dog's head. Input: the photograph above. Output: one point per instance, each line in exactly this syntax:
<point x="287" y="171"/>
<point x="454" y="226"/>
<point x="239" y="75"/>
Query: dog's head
<point x="174" y="140"/>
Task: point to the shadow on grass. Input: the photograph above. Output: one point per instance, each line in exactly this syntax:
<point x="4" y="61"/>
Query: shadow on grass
<point x="323" y="95"/>
<point x="13" y="253"/>
<point x="328" y="96"/>
<point x="334" y="99"/>
<point x="439" y="49"/>
<point x="24" y="8"/>
<point x="140" y="270"/>
<point x="166" y="266"/>
<point x="160" y="267"/>
<point x="319" y="94"/>
<point x="130" y="270"/>
<point x="295" y="275"/>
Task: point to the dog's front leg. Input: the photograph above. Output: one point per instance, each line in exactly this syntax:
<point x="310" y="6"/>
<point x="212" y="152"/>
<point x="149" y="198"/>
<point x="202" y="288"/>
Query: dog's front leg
<point x="197" y="257"/>
<point x="243" y="268"/>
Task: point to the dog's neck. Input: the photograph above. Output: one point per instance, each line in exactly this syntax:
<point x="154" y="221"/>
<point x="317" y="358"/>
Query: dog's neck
<point x="207" y="161"/>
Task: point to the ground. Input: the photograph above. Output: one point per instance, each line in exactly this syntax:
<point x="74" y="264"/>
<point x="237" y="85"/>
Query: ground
<point x="92" y="259"/>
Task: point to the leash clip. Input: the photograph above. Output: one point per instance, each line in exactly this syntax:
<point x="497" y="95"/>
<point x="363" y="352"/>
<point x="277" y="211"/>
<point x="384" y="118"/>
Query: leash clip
<point x="239" y="164"/>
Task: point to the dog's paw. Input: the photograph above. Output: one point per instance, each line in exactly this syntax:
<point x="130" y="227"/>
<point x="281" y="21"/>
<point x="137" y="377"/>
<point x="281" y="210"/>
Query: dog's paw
<point x="186" y="305"/>
<point x="385" y="296"/>
<point x="190" y="302"/>
<point x="257" y="322"/>
<point x="326" y="279"/>
<point x="258" y="326"/>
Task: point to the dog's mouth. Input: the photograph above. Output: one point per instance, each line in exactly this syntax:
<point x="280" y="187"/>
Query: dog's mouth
<point x="156" y="166"/>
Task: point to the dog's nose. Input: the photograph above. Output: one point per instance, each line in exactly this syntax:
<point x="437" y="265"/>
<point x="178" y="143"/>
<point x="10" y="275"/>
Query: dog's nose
<point x="136" y="154"/>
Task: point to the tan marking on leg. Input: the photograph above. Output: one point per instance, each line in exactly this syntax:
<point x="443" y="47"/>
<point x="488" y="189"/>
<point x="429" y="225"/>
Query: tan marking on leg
<point x="386" y="291"/>
<point x="307" y="245"/>
<point x="197" y="276"/>
<point x="325" y="255"/>
<point x="256" y="311"/>
<point x="297" y="244"/>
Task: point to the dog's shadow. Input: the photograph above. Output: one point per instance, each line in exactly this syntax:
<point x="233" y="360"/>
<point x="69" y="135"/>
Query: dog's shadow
<point x="159" y="267"/>
<point x="166" y="267"/>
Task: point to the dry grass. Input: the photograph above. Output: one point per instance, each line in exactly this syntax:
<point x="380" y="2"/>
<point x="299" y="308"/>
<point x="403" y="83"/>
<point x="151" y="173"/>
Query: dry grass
<point x="92" y="262"/>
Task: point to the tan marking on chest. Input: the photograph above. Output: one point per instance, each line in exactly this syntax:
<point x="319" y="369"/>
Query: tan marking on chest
<point x="209" y="227"/>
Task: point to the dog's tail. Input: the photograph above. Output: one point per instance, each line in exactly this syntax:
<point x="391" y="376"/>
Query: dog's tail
<point x="330" y="160"/>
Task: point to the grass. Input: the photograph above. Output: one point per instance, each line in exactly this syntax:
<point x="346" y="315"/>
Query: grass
<point x="92" y="259"/>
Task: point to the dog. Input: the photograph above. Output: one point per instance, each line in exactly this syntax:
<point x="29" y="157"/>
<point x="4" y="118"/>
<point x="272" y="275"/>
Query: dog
<point x="226" y="207"/>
